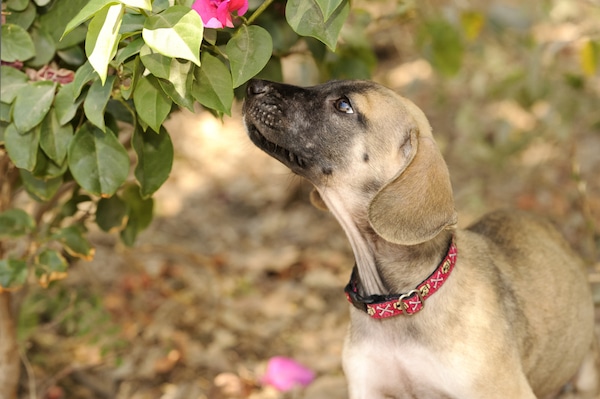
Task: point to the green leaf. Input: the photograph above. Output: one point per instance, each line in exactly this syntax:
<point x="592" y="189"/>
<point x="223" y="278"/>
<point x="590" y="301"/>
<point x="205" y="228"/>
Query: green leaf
<point x="15" y="223"/>
<point x="24" y="18"/>
<point x="151" y="103"/>
<point x="142" y="124"/>
<point x="15" y="44"/>
<point x="74" y="56"/>
<point x="74" y="242"/>
<point x="52" y="261"/>
<point x="90" y="9"/>
<point x="114" y="111"/>
<point x="213" y="87"/>
<point x="32" y="104"/>
<point x="96" y="100"/>
<point x="83" y="75"/>
<point x="178" y="86"/>
<point x="111" y="213"/>
<point x="176" y="32"/>
<point x="132" y="23"/>
<point x="46" y="169"/>
<point x="44" y="48"/>
<point x="159" y="6"/>
<point x="132" y="71"/>
<point x="71" y="39"/>
<point x="328" y="7"/>
<point x="249" y="50"/>
<point x="98" y="161"/>
<point x="40" y="189"/>
<point x="210" y="36"/>
<point x="12" y="81"/>
<point x="3" y="126"/>
<point x="17" y="5"/>
<point x="65" y="104"/>
<point x="306" y="19"/>
<point x="22" y="147"/>
<point x="55" y="138"/>
<point x="50" y="266"/>
<point x="140" y="214"/>
<point x="13" y="273"/>
<point x="131" y="49"/>
<point x="118" y="111"/>
<point x="143" y="4"/>
<point x="71" y="207"/>
<point x="154" y="159"/>
<point x="103" y="37"/>
<point x="184" y="100"/>
<point x="5" y="111"/>
<point x="156" y="63"/>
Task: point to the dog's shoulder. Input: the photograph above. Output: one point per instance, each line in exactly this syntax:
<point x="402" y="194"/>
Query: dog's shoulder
<point x="512" y="224"/>
<point x="520" y="232"/>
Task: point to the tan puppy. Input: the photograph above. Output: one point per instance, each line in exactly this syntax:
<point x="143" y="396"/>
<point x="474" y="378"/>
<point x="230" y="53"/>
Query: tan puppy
<point x="500" y="310"/>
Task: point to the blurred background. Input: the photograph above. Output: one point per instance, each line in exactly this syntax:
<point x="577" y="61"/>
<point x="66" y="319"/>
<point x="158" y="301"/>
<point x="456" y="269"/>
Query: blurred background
<point x="238" y="267"/>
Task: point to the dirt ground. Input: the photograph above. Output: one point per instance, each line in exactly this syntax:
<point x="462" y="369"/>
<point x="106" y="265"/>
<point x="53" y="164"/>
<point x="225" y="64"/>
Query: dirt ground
<point x="238" y="267"/>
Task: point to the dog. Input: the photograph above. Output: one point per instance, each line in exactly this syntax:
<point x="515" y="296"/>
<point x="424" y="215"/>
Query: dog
<point x="502" y="309"/>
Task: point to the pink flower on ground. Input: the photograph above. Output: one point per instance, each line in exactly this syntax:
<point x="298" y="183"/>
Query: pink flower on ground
<point x="217" y="13"/>
<point x="284" y="374"/>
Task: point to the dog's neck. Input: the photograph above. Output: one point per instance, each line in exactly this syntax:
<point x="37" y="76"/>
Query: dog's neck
<point x="404" y="267"/>
<point x="384" y="267"/>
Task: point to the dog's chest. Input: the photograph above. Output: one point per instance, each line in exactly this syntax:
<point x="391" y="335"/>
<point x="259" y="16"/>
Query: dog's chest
<point x="384" y="369"/>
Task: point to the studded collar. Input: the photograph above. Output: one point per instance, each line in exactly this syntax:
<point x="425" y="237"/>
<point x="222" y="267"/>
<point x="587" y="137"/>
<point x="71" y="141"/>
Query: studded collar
<point x="384" y="306"/>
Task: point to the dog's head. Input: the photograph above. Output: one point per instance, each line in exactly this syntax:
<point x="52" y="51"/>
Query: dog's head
<point x="361" y="144"/>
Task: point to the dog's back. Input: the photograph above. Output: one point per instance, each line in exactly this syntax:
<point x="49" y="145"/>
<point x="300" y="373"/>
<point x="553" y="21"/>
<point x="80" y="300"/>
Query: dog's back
<point x="543" y="269"/>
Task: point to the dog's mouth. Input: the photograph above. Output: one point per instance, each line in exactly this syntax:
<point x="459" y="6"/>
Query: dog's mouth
<point x="284" y="155"/>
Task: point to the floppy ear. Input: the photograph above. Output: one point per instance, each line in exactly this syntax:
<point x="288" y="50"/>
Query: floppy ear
<point x="417" y="204"/>
<point x="317" y="201"/>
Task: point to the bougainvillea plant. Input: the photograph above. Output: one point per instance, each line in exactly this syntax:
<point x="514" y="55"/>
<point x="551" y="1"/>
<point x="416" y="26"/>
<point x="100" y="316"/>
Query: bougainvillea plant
<point x="86" y="86"/>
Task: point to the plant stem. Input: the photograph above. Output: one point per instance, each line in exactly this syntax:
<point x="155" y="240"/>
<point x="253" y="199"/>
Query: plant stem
<point x="258" y="11"/>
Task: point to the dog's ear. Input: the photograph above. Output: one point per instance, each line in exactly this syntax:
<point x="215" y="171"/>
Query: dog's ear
<point x="317" y="201"/>
<point x="417" y="203"/>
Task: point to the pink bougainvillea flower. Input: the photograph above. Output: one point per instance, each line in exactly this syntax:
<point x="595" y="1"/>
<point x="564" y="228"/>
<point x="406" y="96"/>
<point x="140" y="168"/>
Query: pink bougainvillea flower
<point x="217" y="13"/>
<point x="284" y="374"/>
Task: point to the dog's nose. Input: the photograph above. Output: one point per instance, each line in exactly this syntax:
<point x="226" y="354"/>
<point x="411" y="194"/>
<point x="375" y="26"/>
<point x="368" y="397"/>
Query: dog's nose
<point x="257" y="87"/>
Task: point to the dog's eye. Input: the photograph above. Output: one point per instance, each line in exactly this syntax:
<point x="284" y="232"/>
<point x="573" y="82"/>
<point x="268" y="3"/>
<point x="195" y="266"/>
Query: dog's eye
<point x="343" y="105"/>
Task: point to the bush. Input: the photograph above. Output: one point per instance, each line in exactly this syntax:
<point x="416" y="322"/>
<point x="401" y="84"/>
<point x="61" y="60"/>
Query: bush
<point x="86" y="87"/>
<point x="83" y="105"/>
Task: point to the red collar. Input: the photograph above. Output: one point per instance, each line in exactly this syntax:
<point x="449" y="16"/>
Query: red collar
<point x="384" y="306"/>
